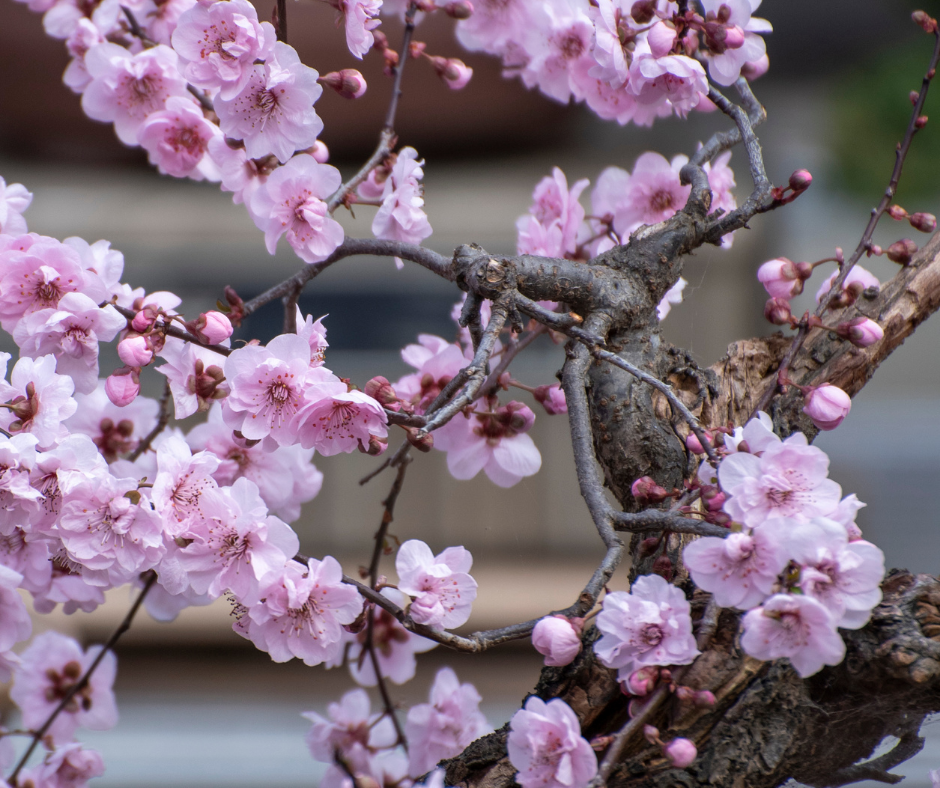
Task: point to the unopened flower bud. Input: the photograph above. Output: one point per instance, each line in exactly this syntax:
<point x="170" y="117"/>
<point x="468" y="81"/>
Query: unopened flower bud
<point x="920" y="122"/>
<point x="680" y="752"/>
<point x="212" y="327"/>
<point x="693" y="444"/>
<point x="236" y="307"/>
<point x="754" y="69"/>
<point x="781" y="278"/>
<point x="662" y="38"/>
<point x="557" y="639"/>
<point x="777" y="311"/>
<point x="704" y="699"/>
<point x="348" y="82"/>
<point x="651" y="734"/>
<point x="459" y="9"/>
<point x="913" y="96"/>
<point x="416" y="49"/>
<point x="643" y="11"/>
<point x="649" y="546"/>
<point x="861" y="332"/>
<point x="714" y="502"/>
<point x="800" y="180"/>
<point x="827" y="406"/>
<point x="135" y="351"/>
<point x="876" y="250"/>
<point x="925" y="222"/>
<point x="552" y="399"/>
<point x="455" y="73"/>
<point x="381" y="390"/>
<point x="896" y="212"/>
<point x="122" y="386"/>
<point x="901" y="251"/>
<point x="663" y="566"/>
<point x="922" y="18"/>
<point x="319" y="151"/>
<point x="143" y="321"/>
<point x="376" y="446"/>
<point x="379" y="41"/>
<point x="422" y="441"/>
<point x="642" y="681"/>
<point x="645" y="490"/>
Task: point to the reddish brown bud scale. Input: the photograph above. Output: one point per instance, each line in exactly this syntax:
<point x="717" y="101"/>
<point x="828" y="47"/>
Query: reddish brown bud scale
<point x="902" y="251"/>
<point x="896" y="212"/>
<point x="460" y="9"/>
<point x="920" y="122"/>
<point x="925" y="222"/>
<point x="800" y="180"/>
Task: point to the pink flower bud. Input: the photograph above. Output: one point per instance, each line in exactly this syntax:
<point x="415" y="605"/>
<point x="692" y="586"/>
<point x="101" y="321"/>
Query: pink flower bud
<point x="455" y="73"/>
<point x="777" y="311"/>
<point x="135" y="351"/>
<point x="662" y="39"/>
<point x="734" y="37"/>
<point x="642" y="681"/>
<point x="122" y="386"/>
<point x="925" y="222"/>
<point x="143" y="321"/>
<point x="827" y="406"/>
<point x="800" y="180"/>
<point x="922" y="18"/>
<point x="376" y="446"/>
<point x="421" y="441"/>
<point x="896" y="212"/>
<point x="645" y="490"/>
<point x="552" y="399"/>
<point x="920" y="122"/>
<point x="651" y="734"/>
<point x="380" y="389"/>
<point x="557" y="639"/>
<point x="459" y="9"/>
<point x="714" y="502"/>
<point x="693" y="444"/>
<point x="861" y="332"/>
<point x="348" y="82"/>
<point x="705" y="699"/>
<point x="901" y="251"/>
<point x="216" y="327"/>
<point x="320" y="152"/>
<point x="680" y="752"/>
<point x="754" y="69"/>
<point x="780" y="278"/>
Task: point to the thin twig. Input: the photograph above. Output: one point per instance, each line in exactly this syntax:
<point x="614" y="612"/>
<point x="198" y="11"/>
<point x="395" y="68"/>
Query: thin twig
<point x="506" y="358"/>
<point x="162" y="421"/>
<point x="400" y="68"/>
<point x="83" y="681"/>
<point x="172" y="331"/>
<point x="380" y="154"/>
<point x="290" y="310"/>
<point x="282" y="20"/>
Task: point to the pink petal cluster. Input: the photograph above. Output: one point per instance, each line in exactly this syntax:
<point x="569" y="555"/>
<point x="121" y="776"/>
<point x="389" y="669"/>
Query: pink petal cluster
<point x="273" y="112"/>
<point x="301" y="612"/>
<point x="651" y="625"/>
<point x="361" y="19"/>
<point x="51" y="665"/>
<point x="177" y="138"/>
<point x="41" y="400"/>
<point x="14" y="200"/>
<point x="401" y="216"/>
<point x="725" y="67"/>
<point x="350" y="729"/>
<point x="492" y="439"/>
<point x="545" y="745"/>
<point x="558" y="639"/>
<point x="552" y="224"/>
<point x="437" y="361"/>
<point x="68" y="766"/>
<point x="445" y="726"/>
<point x="827" y="406"/>
<point x="442" y="589"/>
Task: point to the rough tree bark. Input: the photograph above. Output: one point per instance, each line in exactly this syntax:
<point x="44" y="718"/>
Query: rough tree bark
<point x="768" y="724"/>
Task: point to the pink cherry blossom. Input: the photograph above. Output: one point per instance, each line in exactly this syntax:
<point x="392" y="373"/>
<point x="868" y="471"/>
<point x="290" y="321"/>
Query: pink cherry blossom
<point x="109" y="536"/>
<point x="491" y="439"/>
<point x="554" y="206"/>
<point x="28" y="555"/>
<point x="51" y="665"/>
<point x="858" y="279"/>
<point x="437" y="361"/>
<point x="70" y="332"/>
<point x="83" y="37"/>
<point x="350" y="729"/>
<point x="238" y="173"/>
<point x="650" y="625"/>
<point x="844" y="576"/>
<point x="68" y="766"/>
<point x="651" y="194"/>
<point x="552" y="399"/>
<point x="57" y="472"/>
<point x="19" y="501"/>
<point x="680" y="752"/>
<point x="789" y="479"/>
<point x="561" y="44"/>
<point x="15" y="624"/>
<point x="725" y="67"/>
<point x="315" y="334"/>
<point x="269" y="470"/>
<point x="14" y="199"/>
<point x="273" y="112"/>
<point x="301" y="612"/>
<point x="443" y="590"/>
<point x="218" y="45"/>
<point x="444" y="727"/>
<point x="361" y="19"/>
<point x="797" y="627"/>
<point x="401" y="216"/>
<point x="672" y="296"/>
<point x="181" y="481"/>
<point x="195" y="375"/>
<point x="827" y="406"/>
<point x="291" y="201"/>
<point x="334" y="419"/>
<point x="177" y="138"/>
<point x="676" y="79"/>
<point x="546" y="747"/>
<point x="494" y="24"/>
<point x="43" y="401"/>
<point x="126" y="88"/>
<point x="395" y="647"/>
<point x="115" y="430"/>
<point x="557" y="639"/>
<point x="739" y="570"/>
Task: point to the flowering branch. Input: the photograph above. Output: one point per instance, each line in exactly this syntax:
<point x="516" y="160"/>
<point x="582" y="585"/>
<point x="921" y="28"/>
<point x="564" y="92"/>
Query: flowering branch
<point x="79" y="685"/>
<point x="162" y="421"/>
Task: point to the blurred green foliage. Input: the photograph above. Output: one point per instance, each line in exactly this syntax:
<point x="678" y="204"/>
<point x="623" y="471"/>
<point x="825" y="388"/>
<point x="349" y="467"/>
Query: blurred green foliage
<point x="872" y="110"/>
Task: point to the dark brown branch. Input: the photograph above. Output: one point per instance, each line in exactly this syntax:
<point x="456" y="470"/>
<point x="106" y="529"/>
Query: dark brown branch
<point x="172" y="331"/>
<point x="79" y="685"/>
<point x="513" y="349"/>
<point x="382" y="150"/>
<point x="281" y="10"/>
<point x="290" y="310"/>
<point x="877" y="769"/>
<point x="403" y="56"/>
<point x="162" y="421"/>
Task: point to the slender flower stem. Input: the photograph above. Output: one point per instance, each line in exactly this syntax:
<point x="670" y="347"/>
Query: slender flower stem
<point x="162" y="421"/>
<point x="83" y="681"/>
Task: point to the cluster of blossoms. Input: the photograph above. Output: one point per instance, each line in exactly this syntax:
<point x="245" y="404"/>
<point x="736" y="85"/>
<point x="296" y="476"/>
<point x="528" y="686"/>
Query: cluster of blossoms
<point x="628" y="61"/>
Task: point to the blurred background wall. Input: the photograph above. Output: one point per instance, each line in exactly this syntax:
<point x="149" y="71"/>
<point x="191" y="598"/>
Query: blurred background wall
<point x="192" y="694"/>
